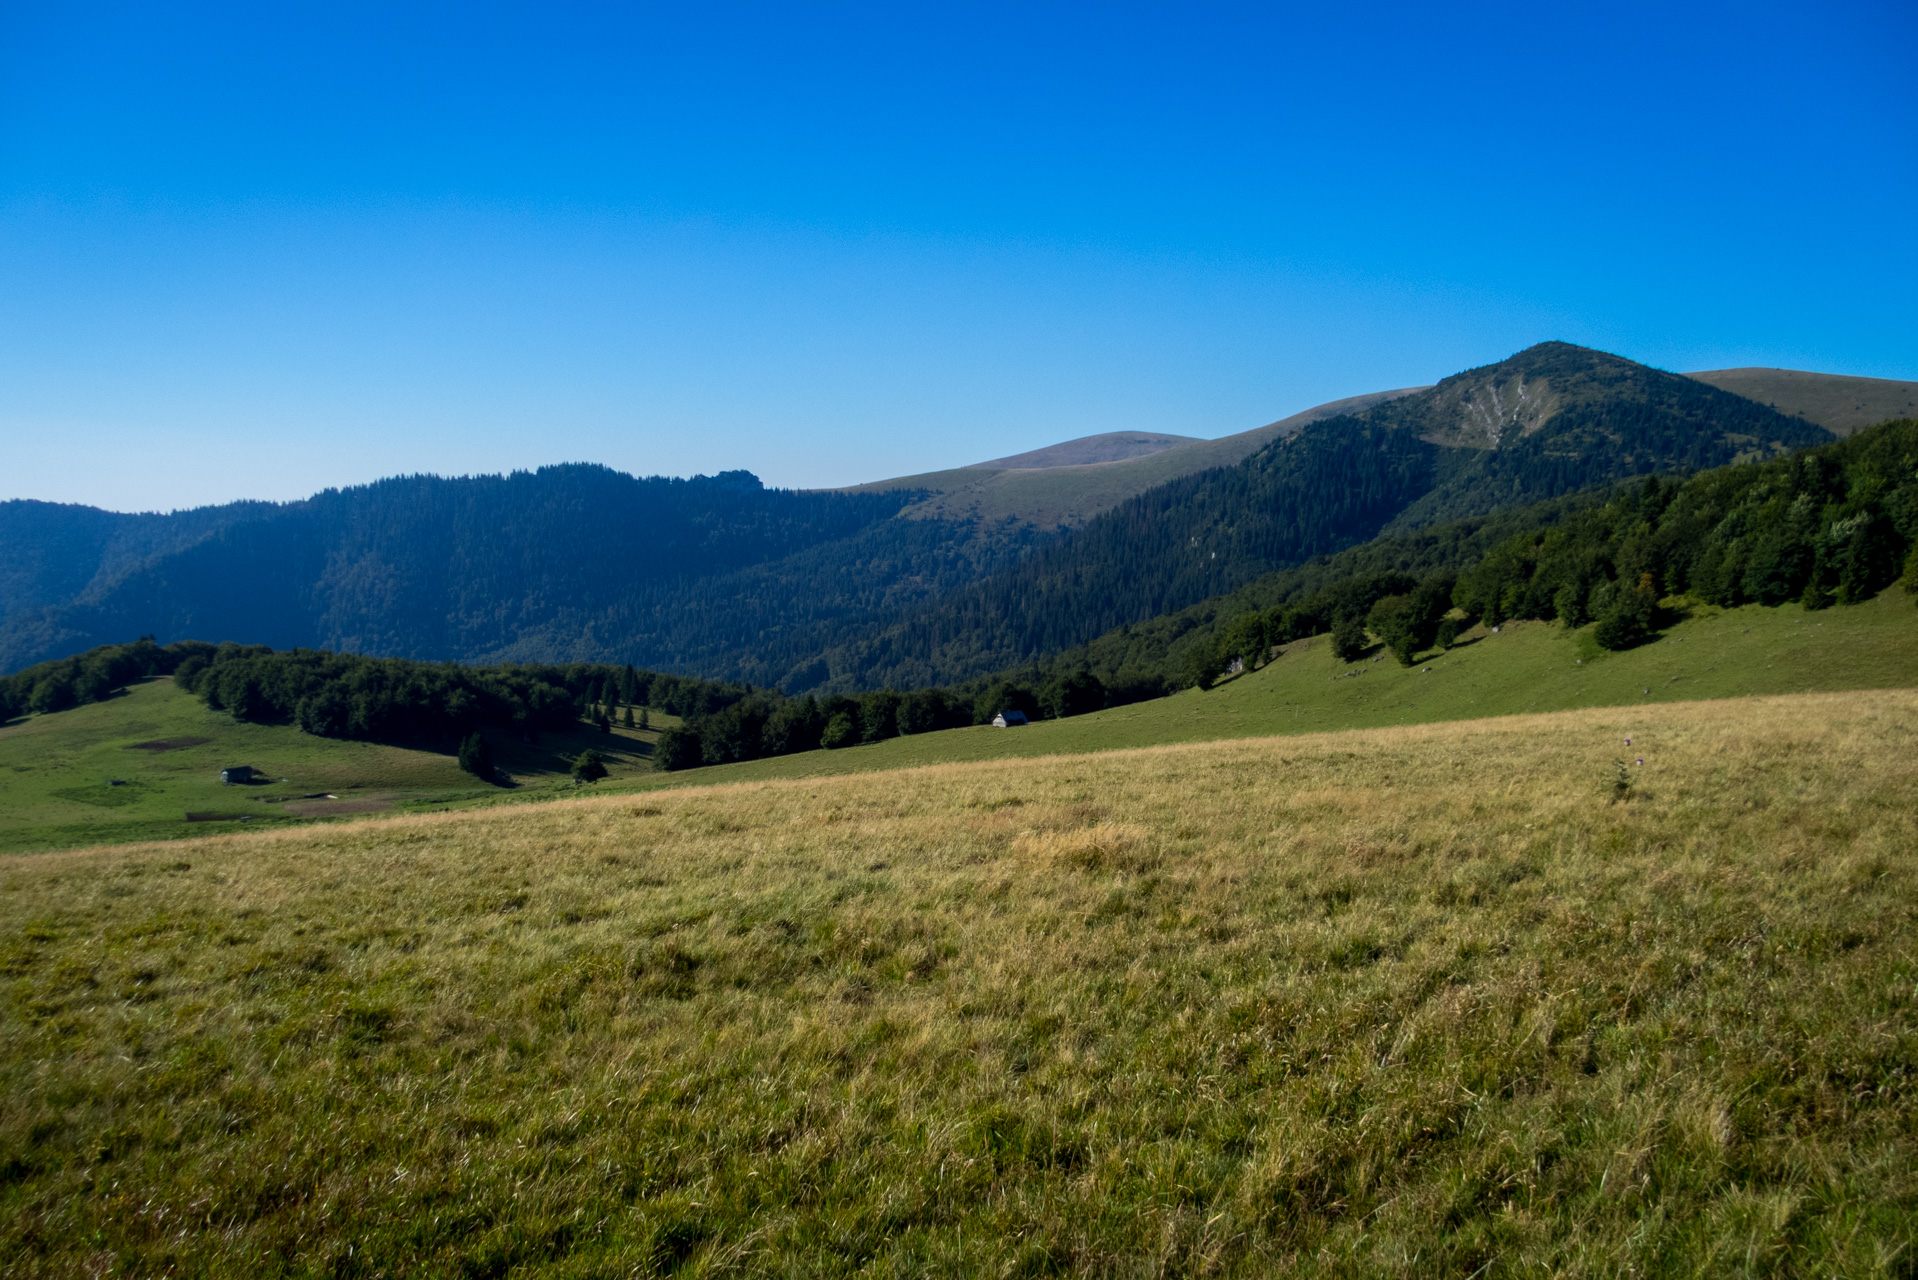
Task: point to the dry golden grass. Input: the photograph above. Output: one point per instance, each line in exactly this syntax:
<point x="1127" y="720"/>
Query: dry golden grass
<point x="1394" y="1002"/>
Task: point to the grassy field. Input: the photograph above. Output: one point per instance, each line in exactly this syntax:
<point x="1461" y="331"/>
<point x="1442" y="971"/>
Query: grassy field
<point x="1527" y="666"/>
<point x="1437" y="1000"/>
<point x="167" y="750"/>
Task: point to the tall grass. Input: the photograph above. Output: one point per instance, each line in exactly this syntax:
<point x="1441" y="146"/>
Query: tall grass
<point x="1396" y="1002"/>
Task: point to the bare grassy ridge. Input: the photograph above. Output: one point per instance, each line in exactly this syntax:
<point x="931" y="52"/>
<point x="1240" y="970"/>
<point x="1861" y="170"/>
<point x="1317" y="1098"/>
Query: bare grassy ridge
<point x="1395" y="1002"/>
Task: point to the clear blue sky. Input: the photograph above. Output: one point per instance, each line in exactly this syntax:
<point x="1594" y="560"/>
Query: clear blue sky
<point x="256" y="250"/>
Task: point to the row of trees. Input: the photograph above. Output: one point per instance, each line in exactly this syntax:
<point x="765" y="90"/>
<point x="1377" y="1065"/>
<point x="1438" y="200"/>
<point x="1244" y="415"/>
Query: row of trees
<point x="769" y="724"/>
<point x="395" y="700"/>
<point x="91" y="676"/>
<point x="338" y="695"/>
<point x="1408" y="614"/>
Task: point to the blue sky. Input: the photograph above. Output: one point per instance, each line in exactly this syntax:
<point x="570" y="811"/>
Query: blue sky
<point x="253" y="251"/>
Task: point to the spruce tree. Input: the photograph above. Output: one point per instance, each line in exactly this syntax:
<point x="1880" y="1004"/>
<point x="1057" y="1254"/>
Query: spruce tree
<point x="476" y="757"/>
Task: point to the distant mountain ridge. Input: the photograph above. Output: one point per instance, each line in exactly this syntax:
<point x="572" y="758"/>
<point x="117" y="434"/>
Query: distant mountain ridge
<point x="1067" y="495"/>
<point x="1549" y="421"/>
<point x="1110" y="446"/>
<point x="913" y="581"/>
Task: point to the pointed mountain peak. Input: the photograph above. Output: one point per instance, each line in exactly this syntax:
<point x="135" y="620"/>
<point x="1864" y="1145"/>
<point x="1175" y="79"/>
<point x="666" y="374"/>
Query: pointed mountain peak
<point x="1496" y="405"/>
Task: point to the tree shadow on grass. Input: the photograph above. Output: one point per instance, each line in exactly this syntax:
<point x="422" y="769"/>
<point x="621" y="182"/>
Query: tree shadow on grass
<point x="553" y="752"/>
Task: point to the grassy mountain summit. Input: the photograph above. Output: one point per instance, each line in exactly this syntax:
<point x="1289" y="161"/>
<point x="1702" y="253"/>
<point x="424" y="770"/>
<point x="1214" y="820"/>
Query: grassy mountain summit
<point x="1110" y="446"/>
<point x="1838" y="403"/>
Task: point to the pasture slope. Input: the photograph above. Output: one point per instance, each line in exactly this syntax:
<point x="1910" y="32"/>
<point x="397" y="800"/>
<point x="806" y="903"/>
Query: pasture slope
<point x="56" y="770"/>
<point x="166" y="750"/>
<point x="1487" y="998"/>
<point x="1527" y="666"/>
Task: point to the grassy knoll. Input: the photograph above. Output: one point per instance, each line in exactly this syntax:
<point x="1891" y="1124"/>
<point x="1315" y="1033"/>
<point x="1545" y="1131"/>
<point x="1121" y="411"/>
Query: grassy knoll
<point x="56" y="770"/>
<point x="1528" y="666"/>
<point x="1411" y="1001"/>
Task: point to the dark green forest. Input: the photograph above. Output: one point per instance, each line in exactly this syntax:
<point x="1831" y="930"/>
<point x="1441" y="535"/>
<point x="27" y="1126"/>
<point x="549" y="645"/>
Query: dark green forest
<point x="720" y="577"/>
<point x="569" y="562"/>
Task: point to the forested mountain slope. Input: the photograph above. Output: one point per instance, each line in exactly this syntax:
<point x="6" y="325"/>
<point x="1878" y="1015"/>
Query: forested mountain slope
<point x="848" y="590"/>
<point x="557" y="563"/>
<point x="1551" y="420"/>
<point x="51" y="552"/>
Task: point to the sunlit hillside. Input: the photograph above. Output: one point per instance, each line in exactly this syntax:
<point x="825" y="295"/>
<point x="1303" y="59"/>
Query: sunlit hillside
<point x="1524" y="667"/>
<point x="146" y="764"/>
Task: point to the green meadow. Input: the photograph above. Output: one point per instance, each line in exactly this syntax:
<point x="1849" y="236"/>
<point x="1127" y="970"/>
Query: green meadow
<point x="1525" y="667"/>
<point x="165" y="750"/>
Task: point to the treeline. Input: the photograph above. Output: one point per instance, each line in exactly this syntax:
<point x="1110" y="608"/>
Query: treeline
<point x="1832" y="525"/>
<point x="396" y="700"/>
<point x="441" y="705"/>
<point x="771" y="724"/>
<point x="88" y="677"/>
<point x="392" y="700"/>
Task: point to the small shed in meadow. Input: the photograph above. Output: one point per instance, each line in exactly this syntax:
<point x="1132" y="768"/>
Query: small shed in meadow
<point x="1007" y="719"/>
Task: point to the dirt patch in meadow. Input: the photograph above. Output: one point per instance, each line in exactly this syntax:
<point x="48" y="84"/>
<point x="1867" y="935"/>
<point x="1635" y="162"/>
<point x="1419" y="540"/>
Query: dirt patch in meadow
<point x="168" y="744"/>
<point x="325" y="808"/>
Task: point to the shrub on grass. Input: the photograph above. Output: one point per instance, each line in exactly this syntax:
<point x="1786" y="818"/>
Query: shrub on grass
<point x="1630" y="618"/>
<point x="53" y="693"/>
<point x="1205" y="663"/>
<point x="1072" y="695"/>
